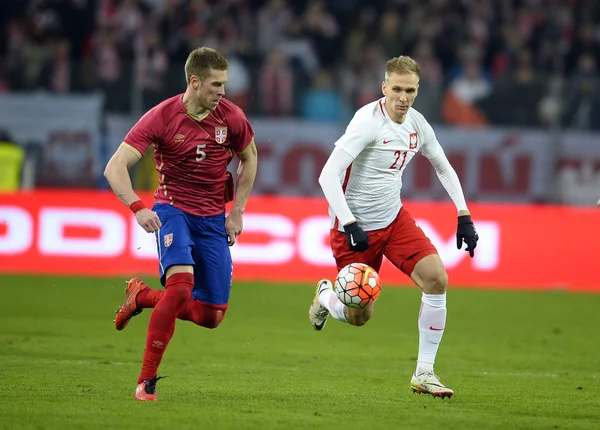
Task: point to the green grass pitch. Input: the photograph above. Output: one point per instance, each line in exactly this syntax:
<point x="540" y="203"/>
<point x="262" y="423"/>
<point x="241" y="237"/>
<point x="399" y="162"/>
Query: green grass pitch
<point x="516" y="360"/>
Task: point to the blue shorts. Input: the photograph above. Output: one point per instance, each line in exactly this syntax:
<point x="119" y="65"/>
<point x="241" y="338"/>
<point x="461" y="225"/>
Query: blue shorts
<point x="200" y="241"/>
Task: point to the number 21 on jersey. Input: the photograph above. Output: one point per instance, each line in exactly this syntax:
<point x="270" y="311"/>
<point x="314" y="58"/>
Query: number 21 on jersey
<point x="399" y="154"/>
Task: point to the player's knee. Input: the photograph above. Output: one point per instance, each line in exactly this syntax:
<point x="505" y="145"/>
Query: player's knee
<point x="430" y="274"/>
<point x="179" y="287"/>
<point x="213" y="318"/>
<point x="178" y="292"/>
<point x="176" y="296"/>
<point x="436" y="283"/>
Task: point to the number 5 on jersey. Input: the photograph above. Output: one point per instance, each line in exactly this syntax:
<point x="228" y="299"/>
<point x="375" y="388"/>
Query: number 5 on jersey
<point x="200" y="152"/>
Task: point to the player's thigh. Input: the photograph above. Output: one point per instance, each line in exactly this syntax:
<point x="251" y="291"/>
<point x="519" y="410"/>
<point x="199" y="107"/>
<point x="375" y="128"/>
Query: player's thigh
<point x="407" y="244"/>
<point x="213" y="265"/>
<point x="343" y="255"/>
<point x="178" y="268"/>
<point x="174" y="241"/>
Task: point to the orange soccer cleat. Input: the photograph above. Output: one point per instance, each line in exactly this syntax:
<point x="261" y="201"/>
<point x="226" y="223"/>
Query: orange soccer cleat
<point x="129" y="308"/>
<point x="146" y="390"/>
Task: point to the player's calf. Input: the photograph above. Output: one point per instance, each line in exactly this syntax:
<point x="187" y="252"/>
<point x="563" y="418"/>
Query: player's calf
<point x="359" y="317"/>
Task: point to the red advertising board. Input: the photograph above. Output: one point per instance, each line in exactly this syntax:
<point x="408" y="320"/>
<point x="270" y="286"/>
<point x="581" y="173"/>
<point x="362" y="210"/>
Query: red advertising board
<point x="285" y="239"/>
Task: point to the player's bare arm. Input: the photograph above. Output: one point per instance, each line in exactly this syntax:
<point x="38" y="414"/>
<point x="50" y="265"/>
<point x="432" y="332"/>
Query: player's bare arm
<point x="245" y="180"/>
<point x="117" y="174"/>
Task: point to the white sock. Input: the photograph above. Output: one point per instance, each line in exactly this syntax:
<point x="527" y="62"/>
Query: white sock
<point x="330" y="300"/>
<point x="432" y="321"/>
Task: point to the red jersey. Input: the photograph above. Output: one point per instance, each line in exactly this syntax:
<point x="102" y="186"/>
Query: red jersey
<point x="191" y="154"/>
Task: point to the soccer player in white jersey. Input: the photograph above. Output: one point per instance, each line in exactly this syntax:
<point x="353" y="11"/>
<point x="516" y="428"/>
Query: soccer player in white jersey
<point x="362" y="180"/>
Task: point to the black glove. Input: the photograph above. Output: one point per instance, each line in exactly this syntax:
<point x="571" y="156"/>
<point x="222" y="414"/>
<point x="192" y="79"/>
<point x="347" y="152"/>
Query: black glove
<point x="357" y="239"/>
<point x="466" y="231"/>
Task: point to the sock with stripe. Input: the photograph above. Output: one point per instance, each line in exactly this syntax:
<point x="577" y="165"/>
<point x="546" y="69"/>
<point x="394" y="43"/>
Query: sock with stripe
<point x="330" y="301"/>
<point x="432" y="322"/>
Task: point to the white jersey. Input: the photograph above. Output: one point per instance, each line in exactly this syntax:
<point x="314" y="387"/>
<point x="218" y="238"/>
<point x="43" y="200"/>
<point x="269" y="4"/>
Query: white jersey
<point x="381" y="149"/>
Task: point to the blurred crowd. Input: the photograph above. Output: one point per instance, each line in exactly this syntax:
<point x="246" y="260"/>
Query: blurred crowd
<point x="531" y="63"/>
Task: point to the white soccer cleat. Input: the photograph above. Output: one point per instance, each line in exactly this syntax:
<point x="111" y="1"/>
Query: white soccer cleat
<point x="317" y="313"/>
<point x="429" y="383"/>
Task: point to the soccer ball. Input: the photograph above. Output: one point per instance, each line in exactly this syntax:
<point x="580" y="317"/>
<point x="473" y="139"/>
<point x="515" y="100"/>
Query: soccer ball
<point x="357" y="285"/>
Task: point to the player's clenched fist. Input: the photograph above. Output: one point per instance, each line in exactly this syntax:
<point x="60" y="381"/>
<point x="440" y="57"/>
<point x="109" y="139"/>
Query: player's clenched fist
<point x="233" y="226"/>
<point x="358" y="240"/>
<point x="148" y="220"/>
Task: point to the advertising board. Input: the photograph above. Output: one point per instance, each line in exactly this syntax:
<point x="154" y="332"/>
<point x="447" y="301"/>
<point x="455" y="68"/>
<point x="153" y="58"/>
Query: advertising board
<point x="286" y="239"/>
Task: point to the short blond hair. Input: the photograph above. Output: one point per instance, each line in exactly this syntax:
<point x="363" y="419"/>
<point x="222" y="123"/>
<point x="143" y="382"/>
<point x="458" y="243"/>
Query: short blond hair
<point x="201" y="60"/>
<point x="402" y="65"/>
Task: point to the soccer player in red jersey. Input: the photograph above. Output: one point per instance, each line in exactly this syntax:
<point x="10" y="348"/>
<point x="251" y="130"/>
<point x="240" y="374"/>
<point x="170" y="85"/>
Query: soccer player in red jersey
<point x="195" y="136"/>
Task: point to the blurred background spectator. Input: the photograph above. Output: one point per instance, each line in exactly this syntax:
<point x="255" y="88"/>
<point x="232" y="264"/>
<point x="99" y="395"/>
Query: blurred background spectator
<point x="479" y="58"/>
<point x="469" y="85"/>
<point x="524" y="64"/>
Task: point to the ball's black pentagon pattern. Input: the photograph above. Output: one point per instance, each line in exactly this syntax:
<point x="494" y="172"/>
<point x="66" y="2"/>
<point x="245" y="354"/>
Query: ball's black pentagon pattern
<point x="349" y="288"/>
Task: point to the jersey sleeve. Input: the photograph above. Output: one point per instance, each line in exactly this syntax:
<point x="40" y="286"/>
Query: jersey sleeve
<point x="447" y="175"/>
<point x="360" y="132"/>
<point x="144" y="132"/>
<point x="338" y="162"/>
<point x="431" y="147"/>
<point x="241" y="130"/>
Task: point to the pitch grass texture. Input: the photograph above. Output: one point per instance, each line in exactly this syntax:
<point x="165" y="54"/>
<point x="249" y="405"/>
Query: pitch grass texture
<point x="516" y="361"/>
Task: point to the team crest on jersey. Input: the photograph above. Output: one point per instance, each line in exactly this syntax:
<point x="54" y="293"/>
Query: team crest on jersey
<point x="168" y="239"/>
<point x="220" y="134"/>
<point x="178" y="138"/>
<point x="412" y="143"/>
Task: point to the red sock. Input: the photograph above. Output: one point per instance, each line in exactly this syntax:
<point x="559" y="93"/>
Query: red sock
<point x="162" y="321"/>
<point x="148" y="298"/>
<point x="201" y="314"/>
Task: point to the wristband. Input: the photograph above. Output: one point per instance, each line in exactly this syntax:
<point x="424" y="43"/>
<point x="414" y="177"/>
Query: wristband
<point x="137" y="206"/>
<point x="351" y="227"/>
